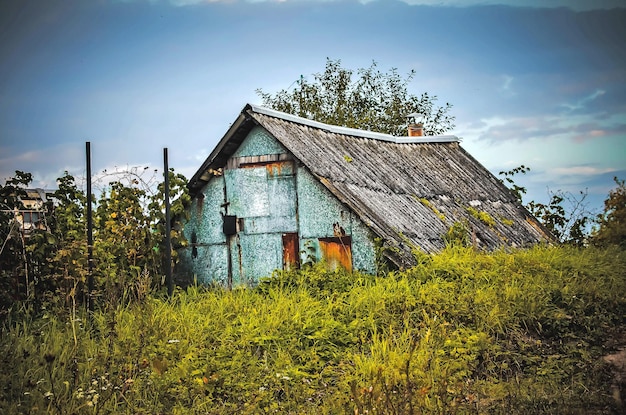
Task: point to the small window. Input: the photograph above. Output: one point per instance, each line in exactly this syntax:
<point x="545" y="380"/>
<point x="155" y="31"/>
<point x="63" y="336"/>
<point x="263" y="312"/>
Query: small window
<point x="31" y="216"/>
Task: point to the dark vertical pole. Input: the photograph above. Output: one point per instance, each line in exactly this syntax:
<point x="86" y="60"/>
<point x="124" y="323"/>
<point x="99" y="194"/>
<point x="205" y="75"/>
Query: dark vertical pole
<point x="168" y="238"/>
<point x="301" y="111"/>
<point x="89" y="231"/>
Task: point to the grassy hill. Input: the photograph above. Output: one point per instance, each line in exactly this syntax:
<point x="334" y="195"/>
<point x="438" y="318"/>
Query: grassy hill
<point x="464" y="332"/>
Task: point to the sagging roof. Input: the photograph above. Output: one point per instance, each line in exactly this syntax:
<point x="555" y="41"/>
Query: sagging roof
<point x="408" y="190"/>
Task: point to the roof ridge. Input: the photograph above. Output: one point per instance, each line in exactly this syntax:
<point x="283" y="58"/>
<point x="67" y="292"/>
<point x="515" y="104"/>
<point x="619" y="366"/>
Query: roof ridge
<point x="351" y="131"/>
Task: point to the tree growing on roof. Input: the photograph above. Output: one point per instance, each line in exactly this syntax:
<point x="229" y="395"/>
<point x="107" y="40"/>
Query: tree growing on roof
<point x="374" y="101"/>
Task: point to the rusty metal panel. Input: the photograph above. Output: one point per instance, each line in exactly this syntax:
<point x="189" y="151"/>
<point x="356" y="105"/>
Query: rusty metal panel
<point x="279" y="169"/>
<point x="291" y="251"/>
<point x="256" y="161"/>
<point x="337" y="252"/>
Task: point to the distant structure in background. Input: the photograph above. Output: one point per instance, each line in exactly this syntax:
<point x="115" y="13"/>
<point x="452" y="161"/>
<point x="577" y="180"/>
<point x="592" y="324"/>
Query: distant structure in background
<point x="279" y="191"/>
<point x="36" y="204"/>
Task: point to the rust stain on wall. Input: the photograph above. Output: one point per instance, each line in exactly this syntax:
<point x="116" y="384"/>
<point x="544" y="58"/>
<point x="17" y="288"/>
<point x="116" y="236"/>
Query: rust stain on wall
<point x="240" y="257"/>
<point x="200" y="203"/>
<point x="273" y="168"/>
<point x="337" y="251"/>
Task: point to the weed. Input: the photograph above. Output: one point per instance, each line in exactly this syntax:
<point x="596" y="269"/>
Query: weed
<point x="482" y="216"/>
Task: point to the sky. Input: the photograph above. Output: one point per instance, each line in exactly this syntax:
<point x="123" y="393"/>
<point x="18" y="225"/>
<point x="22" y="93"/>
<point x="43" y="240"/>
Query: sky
<point x="540" y="83"/>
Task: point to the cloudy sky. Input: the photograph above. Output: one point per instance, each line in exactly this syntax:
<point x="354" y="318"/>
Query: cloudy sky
<point x="538" y="82"/>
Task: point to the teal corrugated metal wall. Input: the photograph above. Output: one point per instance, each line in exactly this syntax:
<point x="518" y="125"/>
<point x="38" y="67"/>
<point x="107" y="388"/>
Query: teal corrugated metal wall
<point x="269" y="199"/>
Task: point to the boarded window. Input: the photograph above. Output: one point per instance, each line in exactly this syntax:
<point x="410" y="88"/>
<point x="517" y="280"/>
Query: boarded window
<point x="291" y="258"/>
<point x="337" y="252"/>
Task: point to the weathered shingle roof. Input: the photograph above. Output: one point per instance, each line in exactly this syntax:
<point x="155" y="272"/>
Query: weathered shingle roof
<point x="409" y="191"/>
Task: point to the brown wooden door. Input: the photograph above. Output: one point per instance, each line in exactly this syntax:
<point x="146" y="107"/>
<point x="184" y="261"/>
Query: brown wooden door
<point x="291" y="251"/>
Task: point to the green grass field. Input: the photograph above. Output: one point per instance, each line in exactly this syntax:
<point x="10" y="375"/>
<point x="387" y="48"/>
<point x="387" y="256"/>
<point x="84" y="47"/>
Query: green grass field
<point x="464" y="332"/>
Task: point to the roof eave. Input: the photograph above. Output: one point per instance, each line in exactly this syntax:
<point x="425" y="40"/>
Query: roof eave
<point x="200" y="178"/>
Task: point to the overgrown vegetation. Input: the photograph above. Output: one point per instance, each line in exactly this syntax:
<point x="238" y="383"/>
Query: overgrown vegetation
<point x="47" y="265"/>
<point x="464" y="332"/>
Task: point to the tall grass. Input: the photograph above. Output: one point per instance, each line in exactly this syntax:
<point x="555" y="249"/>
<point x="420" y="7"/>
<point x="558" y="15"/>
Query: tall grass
<point x="464" y="332"/>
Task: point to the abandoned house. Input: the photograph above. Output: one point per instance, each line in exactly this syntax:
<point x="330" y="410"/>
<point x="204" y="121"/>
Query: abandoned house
<point x="279" y="190"/>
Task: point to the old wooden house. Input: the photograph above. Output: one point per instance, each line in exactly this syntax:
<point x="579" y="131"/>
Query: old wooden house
<point x="279" y="190"/>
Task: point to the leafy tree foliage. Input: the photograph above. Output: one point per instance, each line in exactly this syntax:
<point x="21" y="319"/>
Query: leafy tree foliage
<point x="122" y="239"/>
<point x="565" y="215"/>
<point x="50" y="264"/>
<point x="57" y="253"/>
<point x="508" y="179"/>
<point x="375" y="100"/>
<point x="612" y="221"/>
<point x="568" y="223"/>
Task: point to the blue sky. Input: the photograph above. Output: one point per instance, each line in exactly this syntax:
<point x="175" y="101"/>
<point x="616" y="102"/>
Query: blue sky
<point x="539" y="83"/>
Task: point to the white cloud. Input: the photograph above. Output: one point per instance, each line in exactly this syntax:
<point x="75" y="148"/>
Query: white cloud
<point x="581" y="170"/>
<point x="583" y="102"/>
<point x="574" y="127"/>
<point x="26" y="157"/>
